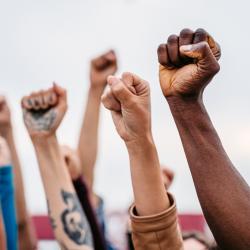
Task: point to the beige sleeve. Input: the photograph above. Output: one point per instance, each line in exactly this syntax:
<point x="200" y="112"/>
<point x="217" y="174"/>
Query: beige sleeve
<point x="156" y="232"/>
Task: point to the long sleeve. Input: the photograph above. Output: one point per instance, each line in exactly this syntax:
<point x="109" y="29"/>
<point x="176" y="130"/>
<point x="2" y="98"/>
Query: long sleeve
<point x="156" y="232"/>
<point x="8" y="207"/>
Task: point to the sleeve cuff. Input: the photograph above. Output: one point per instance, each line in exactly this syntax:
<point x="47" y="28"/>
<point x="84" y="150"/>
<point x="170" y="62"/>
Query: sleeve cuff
<point x="157" y="222"/>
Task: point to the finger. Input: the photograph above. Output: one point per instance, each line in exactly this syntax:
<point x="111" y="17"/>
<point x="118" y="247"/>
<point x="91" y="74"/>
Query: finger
<point x="120" y="91"/>
<point x="215" y="47"/>
<point x="163" y="57"/>
<point x="25" y="104"/>
<point x="61" y="92"/>
<point x="111" y="56"/>
<point x="204" y="56"/>
<point x="200" y="35"/>
<point x="110" y="102"/>
<point x="37" y="102"/>
<point x="173" y="50"/>
<point x="52" y="98"/>
<point x="30" y="100"/>
<point x="136" y="84"/>
<point x="186" y="37"/>
<point x="128" y="79"/>
<point x="100" y="62"/>
<point x="46" y="97"/>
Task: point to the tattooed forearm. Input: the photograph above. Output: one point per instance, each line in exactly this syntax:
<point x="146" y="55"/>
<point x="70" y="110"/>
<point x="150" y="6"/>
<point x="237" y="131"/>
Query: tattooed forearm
<point x="40" y="120"/>
<point x="74" y="221"/>
<point x="52" y="220"/>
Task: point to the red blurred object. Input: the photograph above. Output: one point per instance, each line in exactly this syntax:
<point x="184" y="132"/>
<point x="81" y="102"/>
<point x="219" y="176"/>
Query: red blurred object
<point x="192" y="222"/>
<point x="43" y="227"/>
<point x="188" y="222"/>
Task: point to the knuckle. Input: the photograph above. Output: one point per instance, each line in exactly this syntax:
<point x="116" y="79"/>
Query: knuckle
<point x="200" y="31"/>
<point x="117" y="88"/>
<point x="215" y="67"/>
<point x="172" y="38"/>
<point x="161" y="48"/>
<point x="186" y="32"/>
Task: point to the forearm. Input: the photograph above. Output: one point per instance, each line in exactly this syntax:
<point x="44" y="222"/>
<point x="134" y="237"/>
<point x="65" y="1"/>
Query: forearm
<point x="223" y="194"/>
<point x="67" y="218"/>
<point x="22" y="215"/>
<point x="88" y="142"/>
<point x="149" y="192"/>
<point x="26" y="234"/>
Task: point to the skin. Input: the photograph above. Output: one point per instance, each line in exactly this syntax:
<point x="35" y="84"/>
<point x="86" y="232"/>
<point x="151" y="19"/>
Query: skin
<point x="26" y="231"/>
<point x="224" y="196"/>
<point x="2" y="234"/>
<point x="128" y="99"/>
<point x="72" y="161"/>
<point x="43" y="112"/>
<point x="100" y="68"/>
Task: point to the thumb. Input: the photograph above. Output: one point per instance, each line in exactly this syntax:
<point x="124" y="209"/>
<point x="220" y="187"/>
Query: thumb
<point x="61" y="94"/>
<point x="203" y="54"/>
<point x="120" y="90"/>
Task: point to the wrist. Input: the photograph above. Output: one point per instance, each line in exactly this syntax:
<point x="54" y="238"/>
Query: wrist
<point x="44" y="141"/>
<point x="96" y="89"/>
<point x="142" y="144"/>
<point x="183" y="105"/>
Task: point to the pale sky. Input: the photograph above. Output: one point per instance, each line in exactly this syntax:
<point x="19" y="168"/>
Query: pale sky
<point x="46" y="41"/>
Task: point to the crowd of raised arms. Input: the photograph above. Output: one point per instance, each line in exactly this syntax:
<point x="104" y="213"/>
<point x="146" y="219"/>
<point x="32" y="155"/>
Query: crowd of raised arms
<point x="188" y="62"/>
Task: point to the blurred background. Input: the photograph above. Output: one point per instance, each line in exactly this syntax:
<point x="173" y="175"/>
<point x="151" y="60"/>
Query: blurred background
<point x="46" y="41"/>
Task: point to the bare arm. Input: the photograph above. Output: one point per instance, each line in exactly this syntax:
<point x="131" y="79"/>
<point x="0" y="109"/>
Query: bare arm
<point x="26" y="231"/>
<point x="67" y="218"/>
<point x="224" y="195"/>
<point x="129" y="101"/>
<point x="43" y="113"/>
<point x="88" y="142"/>
<point x="153" y="216"/>
<point x="101" y="68"/>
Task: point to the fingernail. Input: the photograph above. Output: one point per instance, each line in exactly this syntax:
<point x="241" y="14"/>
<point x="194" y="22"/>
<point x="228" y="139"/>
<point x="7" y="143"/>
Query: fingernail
<point x="186" y="47"/>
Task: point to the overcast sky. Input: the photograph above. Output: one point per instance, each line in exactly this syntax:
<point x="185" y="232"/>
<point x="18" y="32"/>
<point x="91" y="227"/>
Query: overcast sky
<point x="46" y="41"/>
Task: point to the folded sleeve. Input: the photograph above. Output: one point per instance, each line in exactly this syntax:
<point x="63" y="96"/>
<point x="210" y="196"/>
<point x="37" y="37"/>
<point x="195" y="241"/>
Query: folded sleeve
<point x="157" y="232"/>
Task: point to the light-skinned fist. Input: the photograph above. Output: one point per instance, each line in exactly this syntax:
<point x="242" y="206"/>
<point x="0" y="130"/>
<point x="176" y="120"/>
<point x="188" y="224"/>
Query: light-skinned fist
<point x="43" y="111"/>
<point x="128" y="99"/>
<point x="188" y="62"/>
<point x="101" y="67"/>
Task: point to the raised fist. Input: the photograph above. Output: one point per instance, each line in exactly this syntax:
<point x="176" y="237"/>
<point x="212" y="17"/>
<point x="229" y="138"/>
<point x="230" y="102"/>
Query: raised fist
<point x="101" y="68"/>
<point x="72" y="161"/>
<point x="5" y="121"/>
<point x="128" y="99"/>
<point x="43" y="111"/>
<point x="188" y="63"/>
<point x="5" y="158"/>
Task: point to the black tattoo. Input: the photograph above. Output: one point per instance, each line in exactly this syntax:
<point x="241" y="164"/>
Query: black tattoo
<point x="40" y="120"/>
<point x="74" y="221"/>
<point x="52" y="220"/>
